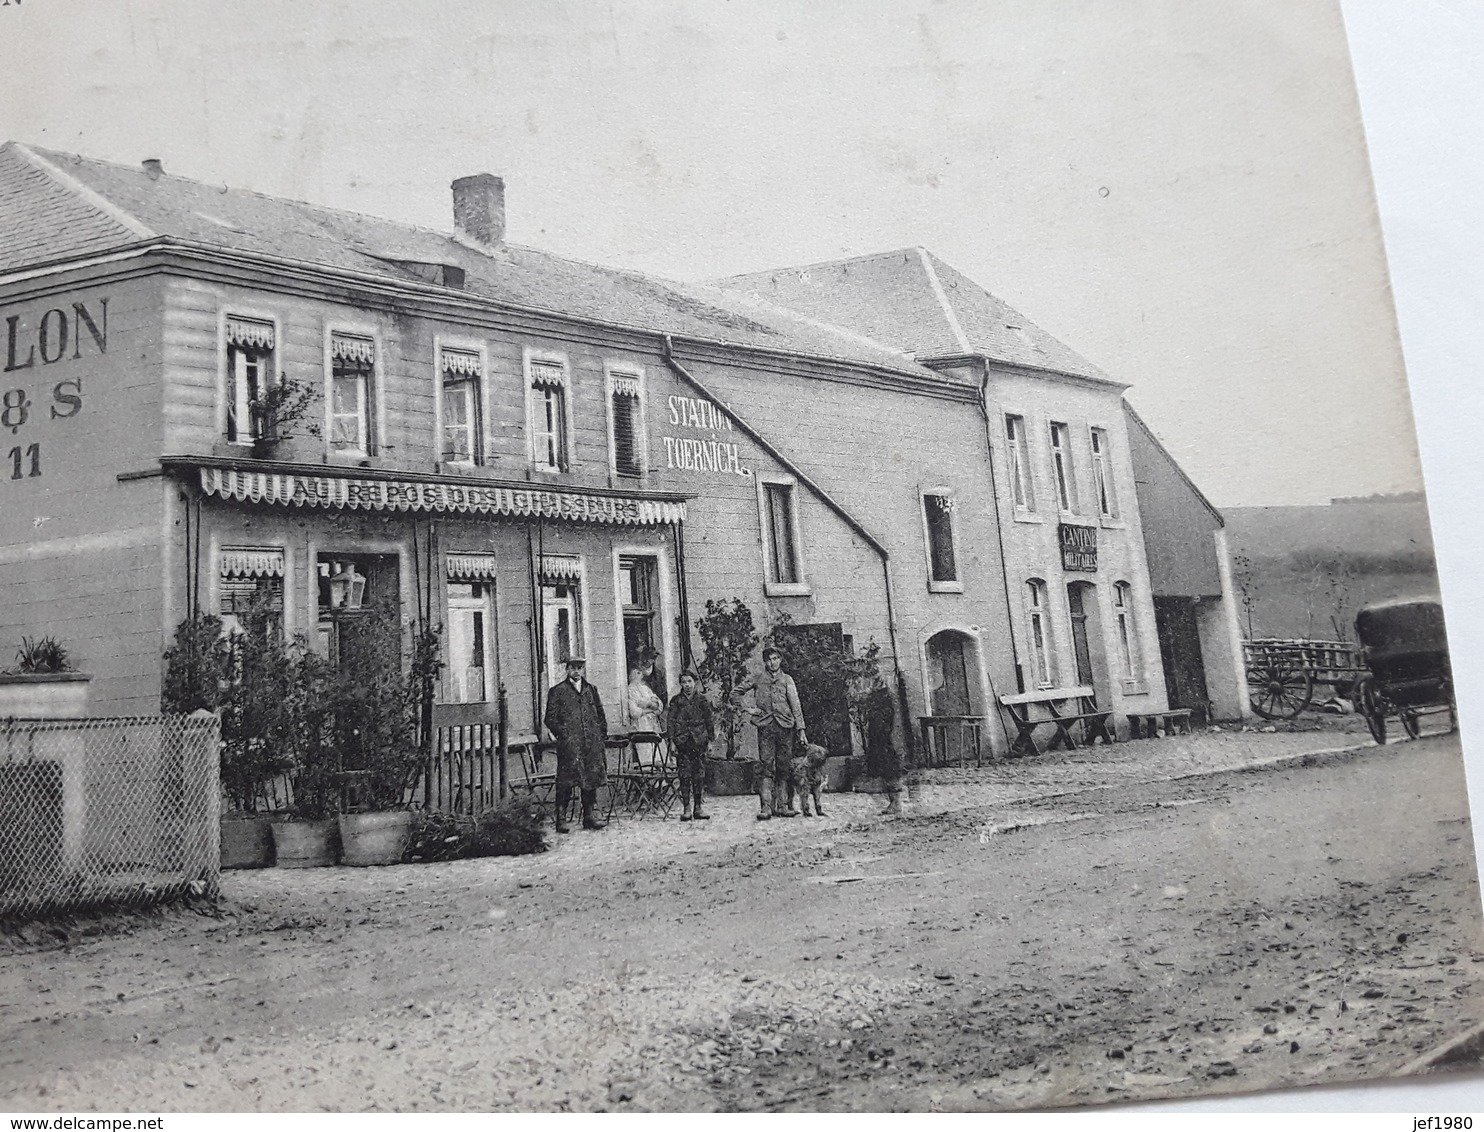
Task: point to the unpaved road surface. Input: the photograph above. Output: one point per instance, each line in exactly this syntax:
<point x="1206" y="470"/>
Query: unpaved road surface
<point x="1231" y="933"/>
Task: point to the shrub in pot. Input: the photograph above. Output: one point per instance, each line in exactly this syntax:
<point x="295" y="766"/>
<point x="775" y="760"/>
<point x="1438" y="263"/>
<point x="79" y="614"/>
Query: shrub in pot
<point x="381" y="722"/>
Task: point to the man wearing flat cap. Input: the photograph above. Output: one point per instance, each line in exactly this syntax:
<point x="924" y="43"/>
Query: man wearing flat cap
<point x="574" y="716"/>
<point x="691" y="730"/>
<point x="780" y="724"/>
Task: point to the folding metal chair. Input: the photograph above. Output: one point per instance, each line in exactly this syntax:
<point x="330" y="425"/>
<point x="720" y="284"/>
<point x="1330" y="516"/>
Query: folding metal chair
<point x="656" y="775"/>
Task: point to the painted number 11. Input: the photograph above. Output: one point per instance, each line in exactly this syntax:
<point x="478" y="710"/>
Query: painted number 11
<point x="18" y="459"/>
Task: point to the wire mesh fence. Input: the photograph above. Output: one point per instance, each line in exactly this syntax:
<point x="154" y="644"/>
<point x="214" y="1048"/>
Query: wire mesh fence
<point x="122" y="811"/>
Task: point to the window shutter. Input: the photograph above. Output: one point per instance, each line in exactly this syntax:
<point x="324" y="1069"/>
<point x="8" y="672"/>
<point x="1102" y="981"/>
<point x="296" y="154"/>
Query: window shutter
<point x="626" y="434"/>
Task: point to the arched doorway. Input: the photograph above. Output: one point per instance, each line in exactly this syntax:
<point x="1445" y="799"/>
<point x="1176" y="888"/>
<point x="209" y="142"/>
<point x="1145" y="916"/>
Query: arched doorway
<point x="954" y="692"/>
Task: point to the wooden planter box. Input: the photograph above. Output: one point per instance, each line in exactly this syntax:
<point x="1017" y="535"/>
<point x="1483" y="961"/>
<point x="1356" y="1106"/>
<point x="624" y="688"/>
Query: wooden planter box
<point x="247" y="841"/>
<point x="53" y="695"/>
<point x="306" y="844"/>
<point x="378" y="838"/>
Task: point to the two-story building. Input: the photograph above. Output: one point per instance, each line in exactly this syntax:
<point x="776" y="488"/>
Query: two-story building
<point x="214" y="398"/>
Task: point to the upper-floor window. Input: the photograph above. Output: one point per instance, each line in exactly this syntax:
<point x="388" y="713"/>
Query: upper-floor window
<point x="461" y="373"/>
<point x="250" y="345"/>
<point x="937" y="517"/>
<point x="1021" y="488"/>
<point x="550" y="449"/>
<point x="1037" y="617"/>
<point x="625" y="399"/>
<point x="1061" y="466"/>
<point x="352" y="387"/>
<point x="1102" y="474"/>
<point x="780" y="537"/>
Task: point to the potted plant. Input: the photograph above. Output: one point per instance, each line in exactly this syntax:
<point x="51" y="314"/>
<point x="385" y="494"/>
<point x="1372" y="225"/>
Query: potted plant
<point x="382" y="719"/>
<point x="308" y="836"/>
<point x="283" y="405"/>
<point x="242" y="676"/>
<point x="730" y="638"/>
<point x="42" y="683"/>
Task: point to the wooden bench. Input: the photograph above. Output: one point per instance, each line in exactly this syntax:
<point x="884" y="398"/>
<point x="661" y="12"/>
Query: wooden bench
<point x="1064" y="708"/>
<point x="1152" y="724"/>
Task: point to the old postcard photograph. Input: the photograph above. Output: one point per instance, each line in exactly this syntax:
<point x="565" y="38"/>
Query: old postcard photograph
<point x="726" y="557"/>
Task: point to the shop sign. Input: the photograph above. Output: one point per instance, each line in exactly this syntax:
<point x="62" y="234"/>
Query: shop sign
<point x="710" y="454"/>
<point x="396" y="495"/>
<point x="1079" y="548"/>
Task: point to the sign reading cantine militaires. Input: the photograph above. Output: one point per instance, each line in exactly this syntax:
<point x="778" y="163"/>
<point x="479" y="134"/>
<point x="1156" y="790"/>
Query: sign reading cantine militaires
<point x="1079" y="548"/>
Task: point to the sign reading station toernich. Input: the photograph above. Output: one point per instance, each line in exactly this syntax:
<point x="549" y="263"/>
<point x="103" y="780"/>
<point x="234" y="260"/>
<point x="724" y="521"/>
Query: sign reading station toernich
<point x="398" y="495"/>
<point x="1079" y="548"/>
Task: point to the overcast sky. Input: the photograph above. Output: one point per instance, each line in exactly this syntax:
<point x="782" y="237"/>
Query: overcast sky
<point x="1178" y="189"/>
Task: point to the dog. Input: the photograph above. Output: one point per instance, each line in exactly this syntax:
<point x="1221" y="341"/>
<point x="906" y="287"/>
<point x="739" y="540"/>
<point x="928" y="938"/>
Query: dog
<point x="807" y="777"/>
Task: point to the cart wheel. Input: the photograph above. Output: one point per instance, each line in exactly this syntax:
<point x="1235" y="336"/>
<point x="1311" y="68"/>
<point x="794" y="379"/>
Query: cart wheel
<point x="1411" y="724"/>
<point x="1369" y="703"/>
<point x="1279" y="693"/>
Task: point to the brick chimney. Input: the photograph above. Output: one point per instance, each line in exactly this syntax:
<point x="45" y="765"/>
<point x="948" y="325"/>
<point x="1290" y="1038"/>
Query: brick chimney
<point x="153" y="168"/>
<point x="479" y="207"/>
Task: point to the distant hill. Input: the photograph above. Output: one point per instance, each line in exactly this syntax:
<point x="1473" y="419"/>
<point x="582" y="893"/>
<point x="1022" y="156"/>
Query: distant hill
<point x="1306" y="570"/>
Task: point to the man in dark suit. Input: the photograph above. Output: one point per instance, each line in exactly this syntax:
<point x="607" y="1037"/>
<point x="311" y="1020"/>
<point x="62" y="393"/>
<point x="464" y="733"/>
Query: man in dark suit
<point x="574" y="716"/>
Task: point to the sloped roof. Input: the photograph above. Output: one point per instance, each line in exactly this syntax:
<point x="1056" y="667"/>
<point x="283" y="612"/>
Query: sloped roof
<point x="56" y="206"/>
<point x="911" y="299"/>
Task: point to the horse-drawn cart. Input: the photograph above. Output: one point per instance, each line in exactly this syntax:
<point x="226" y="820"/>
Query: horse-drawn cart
<point x="1406" y="652"/>
<point x="1282" y="673"/>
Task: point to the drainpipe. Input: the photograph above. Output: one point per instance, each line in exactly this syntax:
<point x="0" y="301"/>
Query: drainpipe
<point x="668" y="352"/>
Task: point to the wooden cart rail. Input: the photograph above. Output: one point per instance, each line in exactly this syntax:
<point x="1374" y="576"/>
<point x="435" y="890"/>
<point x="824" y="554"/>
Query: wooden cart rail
<point x="1282" y="672"/>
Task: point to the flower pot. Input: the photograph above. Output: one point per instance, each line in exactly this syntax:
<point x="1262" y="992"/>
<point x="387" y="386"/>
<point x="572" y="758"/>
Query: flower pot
<point x="247" y="841"/>
<point x="306" y="844"/>
<point x="50" y="695"/>
<point x="375" y="838"/>
<point x="726" y="777"/>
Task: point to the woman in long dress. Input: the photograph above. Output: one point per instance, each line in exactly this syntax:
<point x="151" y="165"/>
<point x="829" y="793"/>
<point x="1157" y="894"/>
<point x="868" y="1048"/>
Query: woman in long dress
<point x="644" y="710"/>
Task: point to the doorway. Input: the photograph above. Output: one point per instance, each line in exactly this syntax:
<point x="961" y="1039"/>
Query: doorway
<point x="1088" y="647"/>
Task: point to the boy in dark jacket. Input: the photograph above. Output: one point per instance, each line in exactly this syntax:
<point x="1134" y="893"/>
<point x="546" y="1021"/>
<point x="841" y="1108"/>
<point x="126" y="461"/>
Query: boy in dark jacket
<point x="691" y="729"/>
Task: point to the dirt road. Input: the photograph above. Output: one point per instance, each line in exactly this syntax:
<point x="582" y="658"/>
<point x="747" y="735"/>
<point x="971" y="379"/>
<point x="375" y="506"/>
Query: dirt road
<point x="1221" y="934"/>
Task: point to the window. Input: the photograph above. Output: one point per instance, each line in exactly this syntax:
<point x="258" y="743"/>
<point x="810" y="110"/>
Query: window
<point x="1102" y="474"/>
<point x="1061" y="467"/>
<point x="249" y="373"/>
<point x="251" y="589"/>
<point x="352" y="384"/>
<point x="461" y="371"/>
<point x="466" y="680"/>
<point x="624" y="402"/>
<point x="937" y="513"/>
<point x="778" y="534"/>
<point x="1040" y="633"/>
<point x="1128" y="645"/>
<point x="1020" y="469"/>
<point x="561" y="614"/>
<point x="638" y="594"/>
<point x="548" y="407"/>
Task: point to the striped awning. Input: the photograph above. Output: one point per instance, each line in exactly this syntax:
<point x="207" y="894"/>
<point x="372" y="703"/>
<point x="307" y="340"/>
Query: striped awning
<point x="252" y="562"/>
<point x="476" y="567"/>
<point x="337" y="492"/>
<point x="348" y="349"/>
<point x="249" y="332"/>
<point x="561" y="568"/>
<point x="549" y="374"/>
<point x="461" y="362"/>
<point x="626" y="385"/>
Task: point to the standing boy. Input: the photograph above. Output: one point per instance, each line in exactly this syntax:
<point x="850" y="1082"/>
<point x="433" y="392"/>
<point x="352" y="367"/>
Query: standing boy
<point x="780" y="724"/>
<point x="692" y="729"/>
